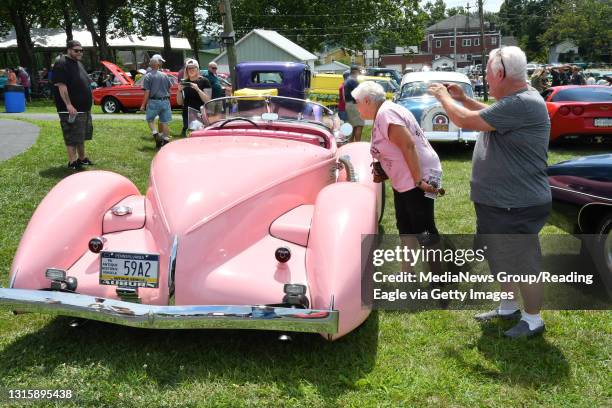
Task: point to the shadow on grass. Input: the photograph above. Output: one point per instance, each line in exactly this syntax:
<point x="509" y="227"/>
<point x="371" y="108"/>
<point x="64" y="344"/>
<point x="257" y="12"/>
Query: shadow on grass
<point x="186" y="356"/>
<point x="531" y="362"/>
<point x="528" y="361"/>
<point x="57" y="173"/>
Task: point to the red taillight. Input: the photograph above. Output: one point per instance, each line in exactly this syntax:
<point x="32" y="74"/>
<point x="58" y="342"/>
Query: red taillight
<point x="577" y="110"/>
<point x="564" y="110"/>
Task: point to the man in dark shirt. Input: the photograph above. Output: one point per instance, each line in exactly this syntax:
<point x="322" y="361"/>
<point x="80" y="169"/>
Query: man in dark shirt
<point x="351" y="107"/>
<point x="73" y="101"/>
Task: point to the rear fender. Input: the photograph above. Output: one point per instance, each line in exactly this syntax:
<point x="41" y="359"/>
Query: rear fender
<point x="343" y="212"/>
<point x="59" y="231"/>
<point x="361" y="159"/>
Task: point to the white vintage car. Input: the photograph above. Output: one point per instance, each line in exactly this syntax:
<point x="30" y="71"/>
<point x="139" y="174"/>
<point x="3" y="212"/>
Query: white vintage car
<point x="427" y="110"/>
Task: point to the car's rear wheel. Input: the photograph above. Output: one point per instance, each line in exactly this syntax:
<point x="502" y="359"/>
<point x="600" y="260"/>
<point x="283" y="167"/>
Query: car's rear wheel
<point x="603" y="255"/>
<point x="110" y="105"/>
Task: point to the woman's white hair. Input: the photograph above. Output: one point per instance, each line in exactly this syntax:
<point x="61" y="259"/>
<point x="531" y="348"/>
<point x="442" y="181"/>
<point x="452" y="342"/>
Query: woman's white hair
<point x="371" y="90"/>
<point x="513" y="59"/>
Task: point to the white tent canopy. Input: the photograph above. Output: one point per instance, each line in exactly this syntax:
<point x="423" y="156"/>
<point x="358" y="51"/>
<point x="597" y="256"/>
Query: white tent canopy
<point x="56" y="38"/>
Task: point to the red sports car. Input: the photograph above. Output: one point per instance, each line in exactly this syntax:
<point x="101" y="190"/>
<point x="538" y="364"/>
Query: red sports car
<point x="127" y="94"/>
<point x="579" y="111"/>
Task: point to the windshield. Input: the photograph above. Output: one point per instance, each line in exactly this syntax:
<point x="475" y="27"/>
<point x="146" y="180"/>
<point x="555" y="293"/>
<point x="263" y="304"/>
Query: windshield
<point x="252" y="107"/>
<point x="419" y="89"/>
<point x="584" y="95"/>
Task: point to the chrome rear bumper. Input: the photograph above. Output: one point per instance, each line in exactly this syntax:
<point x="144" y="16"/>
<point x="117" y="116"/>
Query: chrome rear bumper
<point x="170" y="317"/>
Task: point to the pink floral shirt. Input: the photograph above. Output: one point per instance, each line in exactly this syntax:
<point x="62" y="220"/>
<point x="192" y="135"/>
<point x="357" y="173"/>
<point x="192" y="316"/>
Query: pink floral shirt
<point x="391" y="157"/>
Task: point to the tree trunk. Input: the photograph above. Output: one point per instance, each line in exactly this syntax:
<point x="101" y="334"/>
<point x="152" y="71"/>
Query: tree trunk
<point x="67" y="22"/>
<point x="163" y="20"/>
<point x="87" y="17"/>
<point x="194" y="37"/>
<point x="24" y="43"/>
<point x="103" y="16"/>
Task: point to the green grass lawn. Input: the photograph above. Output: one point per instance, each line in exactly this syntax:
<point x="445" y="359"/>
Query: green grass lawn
<point x="425" y="359"/>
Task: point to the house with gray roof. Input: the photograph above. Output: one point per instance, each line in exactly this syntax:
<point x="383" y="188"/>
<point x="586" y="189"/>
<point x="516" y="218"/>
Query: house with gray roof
<point x="266" y="45"/>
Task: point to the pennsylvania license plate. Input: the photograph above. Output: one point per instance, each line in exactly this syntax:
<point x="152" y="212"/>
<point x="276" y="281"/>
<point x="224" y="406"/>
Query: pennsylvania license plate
<point x="603" y="122"/>
<point x="440" y="128"/>
<point x="129" y="269"/>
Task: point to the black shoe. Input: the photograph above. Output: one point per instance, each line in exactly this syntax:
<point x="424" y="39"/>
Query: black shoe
<point x="164" y="140"/>
<point x="522" y="330"/>
<point x="494" y="314"/>
<point x="75" y="165"/>
<point x="85" y="162"/>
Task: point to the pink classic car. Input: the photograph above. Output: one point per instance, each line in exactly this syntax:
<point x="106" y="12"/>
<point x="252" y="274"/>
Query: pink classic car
<point x="253" y="222"/>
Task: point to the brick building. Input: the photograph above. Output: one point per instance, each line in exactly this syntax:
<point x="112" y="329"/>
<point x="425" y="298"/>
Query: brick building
<point x="440" y="39"/>
<point x="438" y="47"/>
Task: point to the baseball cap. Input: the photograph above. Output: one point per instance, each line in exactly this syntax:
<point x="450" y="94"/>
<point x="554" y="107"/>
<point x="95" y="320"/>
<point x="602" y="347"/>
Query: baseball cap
<point x="158" y="58"/>
<point x="190" y="62"/>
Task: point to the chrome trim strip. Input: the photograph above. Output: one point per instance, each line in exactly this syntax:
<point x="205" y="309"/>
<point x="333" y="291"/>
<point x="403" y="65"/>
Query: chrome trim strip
<point x="608" y="200"/>
<point x="12" y="282"/>
<point x="172" y="262"/>
<point x="170" y="317"/>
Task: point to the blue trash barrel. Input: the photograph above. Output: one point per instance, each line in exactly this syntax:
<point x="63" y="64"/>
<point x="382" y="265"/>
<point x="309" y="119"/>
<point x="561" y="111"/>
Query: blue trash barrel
<point x="14" y="99"/>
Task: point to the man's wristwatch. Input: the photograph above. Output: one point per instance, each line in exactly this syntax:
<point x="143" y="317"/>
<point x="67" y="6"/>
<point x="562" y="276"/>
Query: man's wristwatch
<point x="418" y="183"/>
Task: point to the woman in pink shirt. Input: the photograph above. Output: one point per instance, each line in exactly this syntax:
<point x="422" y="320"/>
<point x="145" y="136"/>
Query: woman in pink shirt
<point x="412" y="165"/>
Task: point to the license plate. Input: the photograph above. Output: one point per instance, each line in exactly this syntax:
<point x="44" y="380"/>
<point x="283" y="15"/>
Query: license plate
<point x="129" y="269"/>
<point x="603" y="122"/>
<point x="440" y="127"/>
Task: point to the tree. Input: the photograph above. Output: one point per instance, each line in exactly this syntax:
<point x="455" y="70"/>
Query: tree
<point x="21" y="14"/>
<point x="435" y="12"/>
<point x="316" y="23"/>
<point x="586" y="22"/>
<point x="99" y="15"/>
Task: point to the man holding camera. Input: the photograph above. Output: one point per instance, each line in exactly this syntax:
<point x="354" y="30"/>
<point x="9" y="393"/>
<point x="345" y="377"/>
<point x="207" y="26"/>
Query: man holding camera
<point x="509" y="185"/>
<point x="157" y="100"/>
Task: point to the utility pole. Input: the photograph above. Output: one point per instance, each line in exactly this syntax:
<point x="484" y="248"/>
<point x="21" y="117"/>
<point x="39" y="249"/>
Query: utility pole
<point x="455" y="45"/>
<point x="229" y="38"/>
<point x="482" y="45"/>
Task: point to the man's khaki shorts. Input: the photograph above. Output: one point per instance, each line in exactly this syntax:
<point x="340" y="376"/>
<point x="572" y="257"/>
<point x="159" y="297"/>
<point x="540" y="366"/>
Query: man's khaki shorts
<point x="353" y="115"/>
<point x="76" y="133"/>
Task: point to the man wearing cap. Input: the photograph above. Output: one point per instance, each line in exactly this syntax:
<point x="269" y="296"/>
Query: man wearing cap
<point x="352" y="114"/>
<point x="157" y="100"/>
<point x="215" y="82"/>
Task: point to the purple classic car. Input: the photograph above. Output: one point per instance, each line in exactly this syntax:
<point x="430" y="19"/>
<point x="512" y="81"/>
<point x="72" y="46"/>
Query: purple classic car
<point x="291" y="79"/>
<point x="582" y="205"/>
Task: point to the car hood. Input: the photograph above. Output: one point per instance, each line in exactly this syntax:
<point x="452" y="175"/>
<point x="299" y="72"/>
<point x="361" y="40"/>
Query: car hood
<point x="593" y="167"/>
<point x="118" y="72"/>
<point x="196" y="180"/>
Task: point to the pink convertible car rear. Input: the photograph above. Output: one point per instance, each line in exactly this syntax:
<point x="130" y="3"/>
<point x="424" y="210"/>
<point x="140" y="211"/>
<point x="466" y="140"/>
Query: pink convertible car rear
<point x="254" y="227"/>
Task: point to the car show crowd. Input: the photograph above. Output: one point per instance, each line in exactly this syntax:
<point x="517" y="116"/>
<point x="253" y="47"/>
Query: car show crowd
<point x="509" y="186"/>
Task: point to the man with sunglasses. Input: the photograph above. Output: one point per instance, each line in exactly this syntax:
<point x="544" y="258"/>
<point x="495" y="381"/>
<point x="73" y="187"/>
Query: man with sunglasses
<point x="73" y="101"/>
<point x="509" y="184"/>
<point x="215" y="82"/>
